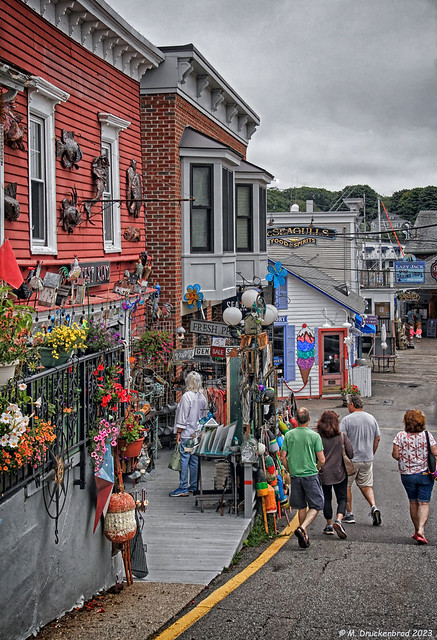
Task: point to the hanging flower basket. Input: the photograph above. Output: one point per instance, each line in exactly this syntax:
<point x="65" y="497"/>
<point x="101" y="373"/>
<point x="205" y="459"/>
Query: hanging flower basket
<point x="7" y="372"/>
<point x="131" y="449"/>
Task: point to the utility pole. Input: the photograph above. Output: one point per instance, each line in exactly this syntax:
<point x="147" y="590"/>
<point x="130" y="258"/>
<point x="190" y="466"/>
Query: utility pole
<point x="379" y="230"/>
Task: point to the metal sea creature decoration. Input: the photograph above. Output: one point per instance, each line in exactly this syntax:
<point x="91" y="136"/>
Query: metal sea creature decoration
<point x="12" y="206"/>
<point x="70" y="213"/>
<point x="134" y="190"/>
<point x="100" y="170"/>
<point x="68" y="150"/>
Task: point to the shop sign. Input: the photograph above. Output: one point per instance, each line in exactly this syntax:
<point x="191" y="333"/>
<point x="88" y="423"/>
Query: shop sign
<point x="210" y="328"/>
<point x="95" y="273"/>
<point x="201" y="354"/>
<point x="371" y="319"/>
<point x="408" y="296"/>
<point x="410" y="272"/>
<point x="298" y="230"/>
<point x="293" y="242"/>
<point x="434" y="270"/>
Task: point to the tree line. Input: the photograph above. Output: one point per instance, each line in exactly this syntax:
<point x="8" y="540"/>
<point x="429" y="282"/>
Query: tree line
<point x="406" y="203"/>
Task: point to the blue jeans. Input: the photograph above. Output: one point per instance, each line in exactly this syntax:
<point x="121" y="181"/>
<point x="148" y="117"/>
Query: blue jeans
<point x="191" y="463"/>
<point x="418" y="486"/>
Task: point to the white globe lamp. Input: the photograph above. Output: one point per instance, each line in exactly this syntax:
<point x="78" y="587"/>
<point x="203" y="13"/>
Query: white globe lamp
<point x="270" y="315"/>
<point x="232" y="316"/>
<point x="249" y="297"/>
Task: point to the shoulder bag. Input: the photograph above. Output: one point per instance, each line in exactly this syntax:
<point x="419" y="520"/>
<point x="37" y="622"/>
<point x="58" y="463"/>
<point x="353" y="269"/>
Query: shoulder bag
<point x="431" y="457"/>
<point x="348" y="464"/>
<point x="175" y="460"/>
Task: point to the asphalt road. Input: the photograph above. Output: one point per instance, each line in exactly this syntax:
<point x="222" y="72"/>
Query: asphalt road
<point x="376" y="583"/>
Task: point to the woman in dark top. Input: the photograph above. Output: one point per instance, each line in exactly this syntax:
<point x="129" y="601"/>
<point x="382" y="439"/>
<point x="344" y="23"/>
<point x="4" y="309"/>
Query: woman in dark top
<point x="333" y="473"/>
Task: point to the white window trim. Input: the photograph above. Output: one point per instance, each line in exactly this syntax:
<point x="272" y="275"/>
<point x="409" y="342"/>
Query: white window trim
<point x="42" y="100"/>
<point x="110" y="128"/>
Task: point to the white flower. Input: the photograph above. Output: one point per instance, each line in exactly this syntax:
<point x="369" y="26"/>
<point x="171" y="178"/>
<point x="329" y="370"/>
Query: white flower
<point x="13" y="408"/>
<point x="4" y="440"/>
<point x="6" y="418"/>
<point x="21" y="429"/>
<point x="25" y="422"/>
<point x="22" y="386"/>
<point x="37" y="403"/>
<point x="13" y="441"/>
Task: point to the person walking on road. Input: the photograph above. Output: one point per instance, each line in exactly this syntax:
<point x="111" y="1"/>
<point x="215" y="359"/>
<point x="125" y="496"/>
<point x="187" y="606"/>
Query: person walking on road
<point x="333" y="473"/>
<point x="410" y="449"/>
<point x="363" y="431"/>
<point x="191" y="408"/>
<point x="301" y="454"/>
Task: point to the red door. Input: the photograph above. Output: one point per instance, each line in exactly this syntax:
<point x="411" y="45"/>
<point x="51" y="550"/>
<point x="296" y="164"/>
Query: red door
<point x="332" y="361"/>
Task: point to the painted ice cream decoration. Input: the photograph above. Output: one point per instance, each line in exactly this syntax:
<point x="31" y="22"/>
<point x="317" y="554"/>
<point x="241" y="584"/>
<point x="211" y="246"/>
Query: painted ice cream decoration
<point x="305" y="351"/>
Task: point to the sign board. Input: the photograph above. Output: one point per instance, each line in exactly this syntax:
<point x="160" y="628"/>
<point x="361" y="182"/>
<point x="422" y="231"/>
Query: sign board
<point x="218" y="352"/>
<point x="95" y="273"/>
<point x="52" y="280"/>
<point x="408" y="296"/>
<point x="299" y="230"/>
<point x="210" y="328"/>
<point x="408" y="272"/>
<point x="203" y="354"/>
<point x="371" y="319"/>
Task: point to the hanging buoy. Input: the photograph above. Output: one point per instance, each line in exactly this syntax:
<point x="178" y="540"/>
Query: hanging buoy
<point x="271" y="501"/>
<point x="261" y="485"/>
<point x="120" y="525"/>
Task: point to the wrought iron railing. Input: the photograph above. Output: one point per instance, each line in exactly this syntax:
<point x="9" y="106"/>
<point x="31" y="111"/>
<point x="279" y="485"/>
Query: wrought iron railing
<point x="67" y="400"/>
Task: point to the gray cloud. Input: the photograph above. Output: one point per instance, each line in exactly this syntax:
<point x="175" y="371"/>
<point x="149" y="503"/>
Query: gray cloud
<point x="346" y="90"/>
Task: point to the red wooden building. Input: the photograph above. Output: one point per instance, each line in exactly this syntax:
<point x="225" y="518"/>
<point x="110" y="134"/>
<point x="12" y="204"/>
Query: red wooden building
<point x="69" y="77"/>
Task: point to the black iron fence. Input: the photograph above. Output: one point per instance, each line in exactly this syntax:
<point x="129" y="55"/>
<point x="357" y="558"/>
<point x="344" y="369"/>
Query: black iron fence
<point x="67" y="396"/>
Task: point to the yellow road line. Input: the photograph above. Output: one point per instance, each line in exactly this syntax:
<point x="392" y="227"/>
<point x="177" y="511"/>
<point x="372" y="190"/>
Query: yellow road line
<point x="220" y="594"/>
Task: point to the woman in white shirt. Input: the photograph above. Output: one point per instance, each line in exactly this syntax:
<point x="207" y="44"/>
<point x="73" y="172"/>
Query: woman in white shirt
<point x="410" y="449"/>
<point x="190" y="410"/>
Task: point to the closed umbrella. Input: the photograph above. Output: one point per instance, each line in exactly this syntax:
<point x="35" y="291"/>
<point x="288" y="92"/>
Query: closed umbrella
<point x="383" y="337"/>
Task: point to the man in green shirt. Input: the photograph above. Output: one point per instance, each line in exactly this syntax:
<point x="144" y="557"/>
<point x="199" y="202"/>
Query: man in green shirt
<point x="301" y="454"/>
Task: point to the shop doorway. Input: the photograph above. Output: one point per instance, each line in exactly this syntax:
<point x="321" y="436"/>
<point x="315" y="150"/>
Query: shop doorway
<point x="332" y="361"/>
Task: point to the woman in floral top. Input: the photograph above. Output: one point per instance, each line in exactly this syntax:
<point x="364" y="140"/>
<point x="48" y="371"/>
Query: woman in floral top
<point x="410" y="449"/>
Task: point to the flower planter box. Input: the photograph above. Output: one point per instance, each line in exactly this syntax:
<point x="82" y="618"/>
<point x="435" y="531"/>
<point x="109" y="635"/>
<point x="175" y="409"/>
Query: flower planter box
<point x="47" y="360"/>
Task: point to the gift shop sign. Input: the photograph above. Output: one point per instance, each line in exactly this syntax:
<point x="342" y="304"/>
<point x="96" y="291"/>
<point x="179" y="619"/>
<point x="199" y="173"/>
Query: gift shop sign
<point x="408" y="272"/>
<point x="210" y="328"/>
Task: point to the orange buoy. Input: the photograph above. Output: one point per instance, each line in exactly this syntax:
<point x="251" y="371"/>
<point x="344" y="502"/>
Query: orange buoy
<point x="271" y="501"/>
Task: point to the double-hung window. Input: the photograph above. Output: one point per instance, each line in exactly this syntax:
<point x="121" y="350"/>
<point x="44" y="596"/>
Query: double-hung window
<point x="38" y="181"/>
<point x="262" y="219"/>
<point x="228" y="209"/>
<point x="202" y="223"/>
<point x="42" y="100"/>
<point x="109" y="221"/>
<point x="244" y="218"/>
<point x="111" y="127"/>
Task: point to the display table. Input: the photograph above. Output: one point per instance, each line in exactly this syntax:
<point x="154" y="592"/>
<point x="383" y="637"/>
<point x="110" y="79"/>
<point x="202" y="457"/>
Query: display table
<point x="383" y="363"/>
<point x="218" y="493"/>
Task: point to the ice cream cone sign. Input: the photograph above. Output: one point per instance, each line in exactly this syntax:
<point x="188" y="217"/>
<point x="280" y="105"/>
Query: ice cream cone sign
<point x="305" y="351"/>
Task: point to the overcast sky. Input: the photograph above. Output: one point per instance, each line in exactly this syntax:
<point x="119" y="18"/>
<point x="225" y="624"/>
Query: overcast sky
<point x="346" y="89"/>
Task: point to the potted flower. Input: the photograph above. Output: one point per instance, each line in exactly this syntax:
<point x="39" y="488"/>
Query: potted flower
<point x="24" y="439"/>
<point x="130" y="436"/>
<point x="154" y="347"/>
<point x="15" y="325"/>
<point x="57" y="344"/>
<point x="100" y="337"/>
<point x="349" y="389"/>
